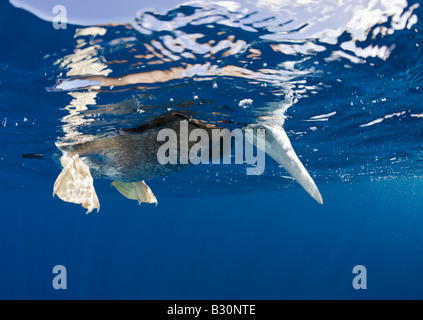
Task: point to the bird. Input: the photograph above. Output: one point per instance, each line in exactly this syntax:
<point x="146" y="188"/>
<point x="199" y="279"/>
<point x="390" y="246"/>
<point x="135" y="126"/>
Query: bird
<point x="132" y="156"/>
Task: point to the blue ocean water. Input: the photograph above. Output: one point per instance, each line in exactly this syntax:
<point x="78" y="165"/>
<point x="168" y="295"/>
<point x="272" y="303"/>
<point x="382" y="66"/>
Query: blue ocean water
<point x="345" y="78"/>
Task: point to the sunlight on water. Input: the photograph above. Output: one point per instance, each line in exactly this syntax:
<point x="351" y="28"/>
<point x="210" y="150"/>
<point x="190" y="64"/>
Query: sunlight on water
<point x="315" y="67"/>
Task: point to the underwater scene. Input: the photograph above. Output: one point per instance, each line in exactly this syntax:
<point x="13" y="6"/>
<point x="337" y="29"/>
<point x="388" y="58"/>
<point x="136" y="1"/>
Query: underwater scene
<point x="211" y="150"/>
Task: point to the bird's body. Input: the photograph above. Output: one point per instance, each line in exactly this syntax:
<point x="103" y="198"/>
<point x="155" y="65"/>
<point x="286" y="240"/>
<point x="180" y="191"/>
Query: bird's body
<point x="131" y="156"/>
